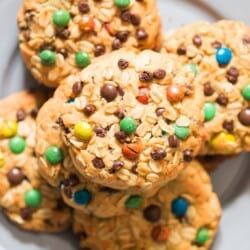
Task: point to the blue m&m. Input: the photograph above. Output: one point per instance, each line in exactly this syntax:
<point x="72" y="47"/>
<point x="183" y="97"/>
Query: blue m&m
<point x="223" y="55"/>
<point x="82" y="197"/>
<point x="179" y="207"/>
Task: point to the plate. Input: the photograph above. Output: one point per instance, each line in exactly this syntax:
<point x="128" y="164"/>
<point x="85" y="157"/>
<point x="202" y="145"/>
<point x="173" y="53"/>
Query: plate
<point x="231" y="180"/>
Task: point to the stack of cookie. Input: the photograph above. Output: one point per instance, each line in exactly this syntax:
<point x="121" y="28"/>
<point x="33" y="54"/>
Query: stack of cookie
<point x="112" y="151"/>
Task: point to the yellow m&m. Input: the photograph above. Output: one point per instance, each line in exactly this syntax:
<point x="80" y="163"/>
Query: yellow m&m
<point x="8" y="129"/>
<point x="83" y="130"/>
<point x="224" y="143"/>
<point x="2" y="161"/>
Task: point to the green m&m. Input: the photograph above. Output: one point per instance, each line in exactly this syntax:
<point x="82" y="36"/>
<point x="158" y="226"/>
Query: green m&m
<point x="17" y="145"/>
<point x="33" y="198"/>
<point x="209" y="111"/>
<point x="54" y="155"/>
<point x="192" y="67"/>
<point x="122" y="3"/>
<point x="181" y="132"/>
<point x="246" y="92"/>
<point x="128" y="125"/>
<point x="61" y="18"/>
<point x="202" y="236"/>
<point x="47" y="57"/>
<point x="134" y="201"/>
<point x="82" y="59"/>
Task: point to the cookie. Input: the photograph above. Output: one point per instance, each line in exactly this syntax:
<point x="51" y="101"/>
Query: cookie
<point x="77" y="192"/>
<point x="25" y="197"/>
<point x="219" y="54"/>
<point x="183" y="215"/>
<point x="129" y="121"/>
<point x="59" y="38"/>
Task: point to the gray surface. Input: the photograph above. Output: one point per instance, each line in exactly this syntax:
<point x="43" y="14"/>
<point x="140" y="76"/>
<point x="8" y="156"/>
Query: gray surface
<point x="231" y="180"/>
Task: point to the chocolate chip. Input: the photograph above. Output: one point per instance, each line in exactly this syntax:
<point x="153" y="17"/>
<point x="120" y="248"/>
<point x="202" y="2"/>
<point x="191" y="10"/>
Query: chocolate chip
<point x="116" y="44"/>
<point x="181" y="50"/>
<point x="158" y="154"/>
<point x="99" y="50"/>
<point x="89" y="109"/>
<point x="159" y="74"/>
<point x="73" y="180"/>
<point x="63" y="33"/>
<point x="244" y="117"/>
<point x="222" y="99"/>
<point x="187" y="155"/>
<point x="26" y="213"/>
<point x="108" y="190"/>
<point x="197" y="40"/>
<point x="152" y="213"/>
<point x="232" y="74"/>
<point x="77" y="88"/>
<point x="134" y="168"/>
<point x="122" y="64"/>
<point x="63" y="52"/>
<point x="34" y="112"/>
<point x="208" y="89"/>
<point x="135" y="19"/>
<point x="100" y="131"/>
<point x="108" y="92"/>
<point x="228" y="125"/>
<point x="159" y="111"/>
<point x="173" y="141"/>
<point x="125" y="16"/>
<point x="119" y="113"/>
<point x="83" y="7"/>
<point x="122" y="36"/>
<point x="216" y="44"/>
<point x="146" y="76"/>
<point x="141" y="34"/>
<point x="60" y="205"/>
<point x="68" y="191"/>
<point x="121" y="136"/>
<point x="15" y="176"/>
<point x="246" y="40"/>
<point x="20" y="115"/>
<point x="117" y="165"/>
<point x="98" y="163"/>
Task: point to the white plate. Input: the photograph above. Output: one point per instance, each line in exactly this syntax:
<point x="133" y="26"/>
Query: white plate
<point x="231" y="180"/>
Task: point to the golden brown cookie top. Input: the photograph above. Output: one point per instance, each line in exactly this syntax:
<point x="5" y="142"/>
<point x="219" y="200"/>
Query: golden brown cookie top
<point x="129" y="120"/>
<point x="183" y="215"/>
<point x="59" y="38"/>
<point x="26" y="199"/>
<point x="219" y="53"/>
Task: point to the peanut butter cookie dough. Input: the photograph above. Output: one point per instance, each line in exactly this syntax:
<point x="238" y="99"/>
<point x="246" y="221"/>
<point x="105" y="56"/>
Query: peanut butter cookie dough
<point x="25" y="197"/>
<point x="183" y="215"/>
<point x="131" y="120"/>
<point x="59" y="38"/>
<point x="219" y="54"/>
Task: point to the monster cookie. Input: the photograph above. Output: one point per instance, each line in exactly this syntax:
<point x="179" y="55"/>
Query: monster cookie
<point x="91" y="198"/>
<point x="131" y="120"/>
<point x="219" y="54"/>
<point x="24" y="197"/>
<point x="183" y="215"/>
<point x="59" y="38"/>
